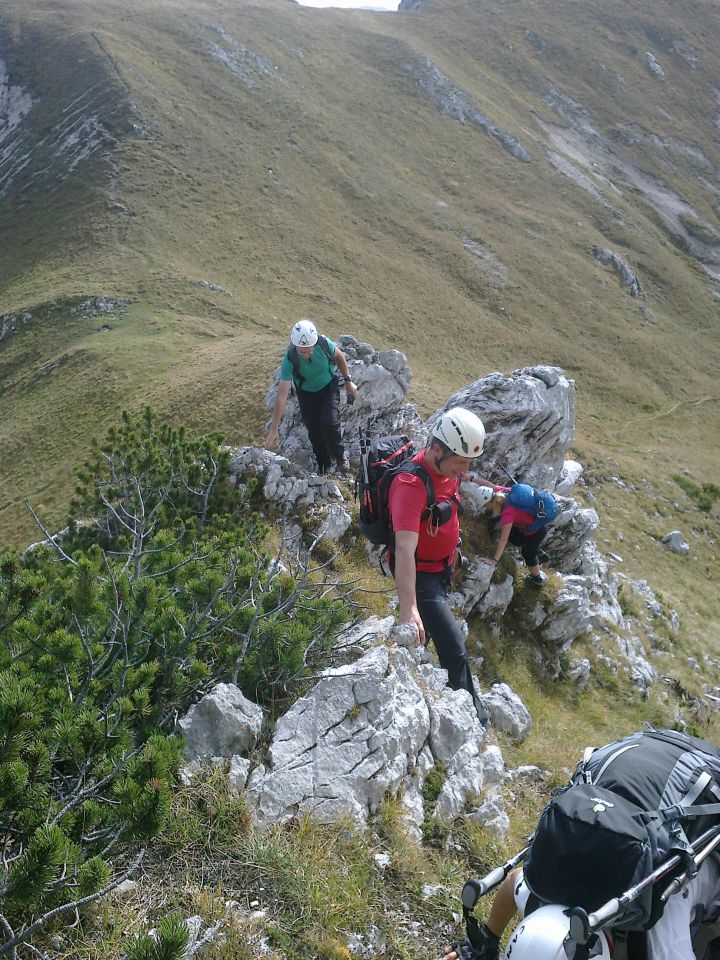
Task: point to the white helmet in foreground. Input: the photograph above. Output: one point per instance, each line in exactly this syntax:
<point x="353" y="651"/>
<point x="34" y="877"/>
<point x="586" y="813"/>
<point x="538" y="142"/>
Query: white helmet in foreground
<point x="304" y="334"/>
<point x="462" y="431"/>
<point x="542" y="935"/>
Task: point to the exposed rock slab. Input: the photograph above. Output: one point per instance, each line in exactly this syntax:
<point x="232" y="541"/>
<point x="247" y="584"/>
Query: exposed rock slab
<point x="369" y="728"/>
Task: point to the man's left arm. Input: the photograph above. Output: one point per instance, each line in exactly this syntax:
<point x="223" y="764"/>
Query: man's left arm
<point x="341" y="362"/>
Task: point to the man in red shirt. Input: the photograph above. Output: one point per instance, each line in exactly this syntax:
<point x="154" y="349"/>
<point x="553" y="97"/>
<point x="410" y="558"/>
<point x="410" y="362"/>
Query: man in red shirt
<point x="426" y="550"/>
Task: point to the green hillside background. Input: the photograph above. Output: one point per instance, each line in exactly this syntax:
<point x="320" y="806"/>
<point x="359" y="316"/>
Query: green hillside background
<point x="250" y="163"/>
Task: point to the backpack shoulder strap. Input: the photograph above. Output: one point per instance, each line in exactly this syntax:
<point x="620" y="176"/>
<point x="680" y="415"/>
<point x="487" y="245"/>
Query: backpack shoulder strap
<point x="325" y="347"/>
<point x="418" y="470"/>
<point x="582" y="774"/>
<point x="292" y="356"/>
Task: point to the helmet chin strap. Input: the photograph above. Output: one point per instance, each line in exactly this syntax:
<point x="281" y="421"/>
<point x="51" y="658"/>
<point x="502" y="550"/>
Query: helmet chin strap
<point x="438" y="461"/>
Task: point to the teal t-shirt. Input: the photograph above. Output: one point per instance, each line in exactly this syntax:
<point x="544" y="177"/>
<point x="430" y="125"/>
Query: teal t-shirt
<point x="316" y="371"/>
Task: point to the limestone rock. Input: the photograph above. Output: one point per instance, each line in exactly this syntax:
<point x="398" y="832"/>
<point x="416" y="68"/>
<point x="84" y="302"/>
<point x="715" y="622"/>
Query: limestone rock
<point x="579" y="672"/>
<point x="652" y="64"/>
<point x="377" y="725"/>
<point x="456" y="103"/>
<point x="530" y="422"/>
<point x="223" y="724"/>
<point x="491" y="814"/>
<point x="285" y="484"/>
<point x="335" y="522"/>
<point x="628" y="278"/>
<point x="641" y="670"/>
<point x="562" y="617"/>
<point x="569" y="475"/>
<point x="568" y="534"/>
<point x="475" y="584"/>
<point x="238" y="774"/>
<point x="676" y="542"/>
<point x="643" y="590"/>
<point x="507" y="712"/>
<point x="382" y="378"/>
<point x="342" y="745"/>
<point x="370" y="632"/>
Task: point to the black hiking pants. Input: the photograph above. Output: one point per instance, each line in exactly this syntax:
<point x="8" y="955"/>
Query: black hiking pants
<point x="431" y="594"/>
<point x="320" y="412"/>
<point x="528" y="543"/>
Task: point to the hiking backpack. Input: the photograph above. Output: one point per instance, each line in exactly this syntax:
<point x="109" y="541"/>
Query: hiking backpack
<point x="386" y="457"/>
<point x="628" y="807"/>
<point x="538" y="503"/>
<point x="292" y="356"/>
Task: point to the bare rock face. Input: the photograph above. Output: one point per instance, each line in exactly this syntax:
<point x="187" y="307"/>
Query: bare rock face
<point x="285" y="485"/>
<point x="223" y="724"/>
<point x="569" y="475"/>
<point x="567" y="535"/>
<point x="628" y="278"/>
<point x="652" y="65"/>
<point x="530" y="422"/>
<point x="377" y="725"/>
<point x="676" y="542"/>
<point x="456" y="103"/>
<point x="507" y="712"/>
<point x="565" y="616"/>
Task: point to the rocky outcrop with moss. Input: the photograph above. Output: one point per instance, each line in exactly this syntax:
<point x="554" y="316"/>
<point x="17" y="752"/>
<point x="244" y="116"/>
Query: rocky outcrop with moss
<point x="385" y="722"/>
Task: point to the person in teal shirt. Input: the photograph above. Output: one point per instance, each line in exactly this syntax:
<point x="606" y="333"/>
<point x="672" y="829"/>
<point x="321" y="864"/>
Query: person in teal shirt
<point x="308" y="363"/>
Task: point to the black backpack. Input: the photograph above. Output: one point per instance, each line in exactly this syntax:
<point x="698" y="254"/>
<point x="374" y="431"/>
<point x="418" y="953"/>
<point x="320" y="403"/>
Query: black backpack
<point x="292" y="356"/>
<point x="386" y="457"/>
<point x="629" y="806"/>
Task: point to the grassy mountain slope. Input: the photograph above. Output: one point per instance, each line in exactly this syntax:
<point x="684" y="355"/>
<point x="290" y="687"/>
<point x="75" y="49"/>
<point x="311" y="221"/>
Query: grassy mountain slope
<point x="300" y="160"/>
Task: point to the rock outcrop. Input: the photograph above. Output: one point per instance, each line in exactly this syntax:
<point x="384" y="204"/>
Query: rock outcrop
<point x="371" y="728"/>
<point x="676" y="542"/>
<point x="379" y="724"/>
<point x="628" y="277"/>
<point x="530" y="422"/>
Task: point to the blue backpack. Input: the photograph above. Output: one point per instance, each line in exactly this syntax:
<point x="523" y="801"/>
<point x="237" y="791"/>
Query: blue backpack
<point x="538" y="503"/>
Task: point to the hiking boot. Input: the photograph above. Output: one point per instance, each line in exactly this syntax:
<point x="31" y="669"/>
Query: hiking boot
<point x="543" y="557"/>
<point x="342" y="465"/>
<point x="535" y="580"/>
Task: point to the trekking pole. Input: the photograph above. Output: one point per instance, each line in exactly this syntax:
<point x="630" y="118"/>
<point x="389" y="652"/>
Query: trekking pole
<point x="583" y="924"/>
<point x="679" y="882"/>
<point x="506" y="472"/>
<point x="364" y="453"/>
<point x="474" y="889"/>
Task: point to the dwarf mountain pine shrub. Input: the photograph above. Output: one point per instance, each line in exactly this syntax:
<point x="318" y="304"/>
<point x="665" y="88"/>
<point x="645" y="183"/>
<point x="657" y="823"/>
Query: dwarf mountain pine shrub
<point x="159" y="588"/>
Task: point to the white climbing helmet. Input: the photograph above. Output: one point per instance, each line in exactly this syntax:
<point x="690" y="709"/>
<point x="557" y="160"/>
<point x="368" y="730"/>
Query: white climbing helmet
<point x="462" y="431"/>
<point x="304" y="334"/>
<point x="542" y="935"/>
<point x="483" y="495"/>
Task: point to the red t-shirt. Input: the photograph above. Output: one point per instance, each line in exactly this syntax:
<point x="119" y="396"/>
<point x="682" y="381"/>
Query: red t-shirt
<point x="408" y="500"/>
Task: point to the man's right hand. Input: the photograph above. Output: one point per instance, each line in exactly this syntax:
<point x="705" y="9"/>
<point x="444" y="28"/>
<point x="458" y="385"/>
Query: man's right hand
<point x="488" y="949"/>
<point x="272" y="439"/>
<point x="412" y="616"/>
